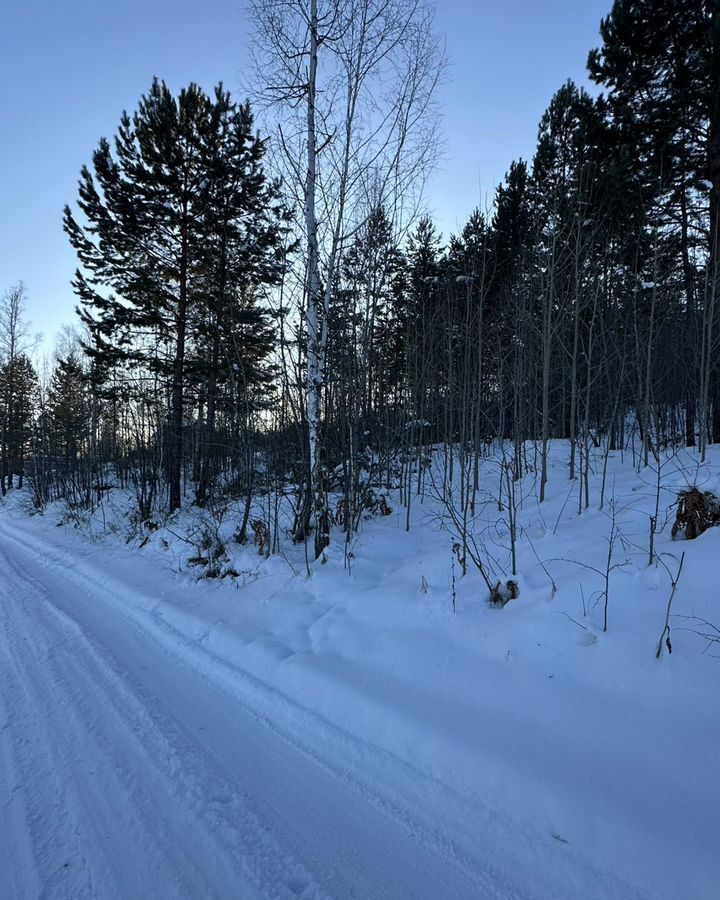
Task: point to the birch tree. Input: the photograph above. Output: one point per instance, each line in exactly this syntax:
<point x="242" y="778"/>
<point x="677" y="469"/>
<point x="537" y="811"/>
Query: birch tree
<point x="351" y="85"/>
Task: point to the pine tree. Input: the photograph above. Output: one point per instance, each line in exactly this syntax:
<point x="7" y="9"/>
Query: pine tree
<point x="182" y="228"/>
<point x="246" y="227"/>
<point x="660" y="62"/>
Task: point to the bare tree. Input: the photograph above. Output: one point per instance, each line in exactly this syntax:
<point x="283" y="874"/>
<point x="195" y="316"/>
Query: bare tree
<point x="352" y="82"/>
<point x="15" y="369"/>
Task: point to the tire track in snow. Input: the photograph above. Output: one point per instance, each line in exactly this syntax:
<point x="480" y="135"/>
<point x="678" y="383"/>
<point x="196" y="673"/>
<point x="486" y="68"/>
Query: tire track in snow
<point x="387" y="851"/>
<point x="477" y="879"/>
<point x="78" y="769"/>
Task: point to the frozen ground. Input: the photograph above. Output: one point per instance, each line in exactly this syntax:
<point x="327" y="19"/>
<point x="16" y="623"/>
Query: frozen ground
<point x="349" y="735"/>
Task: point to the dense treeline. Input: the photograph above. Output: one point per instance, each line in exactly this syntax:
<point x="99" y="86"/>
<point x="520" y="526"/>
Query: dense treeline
<point x="232" y="347"/>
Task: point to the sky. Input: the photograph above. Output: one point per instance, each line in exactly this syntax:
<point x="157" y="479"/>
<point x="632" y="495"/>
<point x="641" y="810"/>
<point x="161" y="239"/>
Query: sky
<point x="68" y="68"/>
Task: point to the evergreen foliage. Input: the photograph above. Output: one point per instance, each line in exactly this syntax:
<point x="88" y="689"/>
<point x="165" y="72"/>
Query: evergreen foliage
<point x="583" y="304"/>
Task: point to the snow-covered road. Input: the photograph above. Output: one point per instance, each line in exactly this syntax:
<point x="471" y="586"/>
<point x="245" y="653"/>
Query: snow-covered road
<point x="127" y="772"/>
<point x="141" y="757"/>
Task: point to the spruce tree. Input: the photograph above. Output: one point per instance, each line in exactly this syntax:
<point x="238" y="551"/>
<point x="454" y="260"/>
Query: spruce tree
<point x="68" y="411"/>
<point x="425" y="339"/>
<point x="18" y="390"/>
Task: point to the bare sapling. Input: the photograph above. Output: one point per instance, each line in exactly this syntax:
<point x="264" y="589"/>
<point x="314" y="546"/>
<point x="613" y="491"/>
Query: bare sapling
<point x="665" y="635"/>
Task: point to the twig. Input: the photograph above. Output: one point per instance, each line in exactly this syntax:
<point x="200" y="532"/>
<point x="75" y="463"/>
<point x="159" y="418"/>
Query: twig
<point x="666" y="630"/>
<point x="563" y="613"/>
<point x="542" y="564"/>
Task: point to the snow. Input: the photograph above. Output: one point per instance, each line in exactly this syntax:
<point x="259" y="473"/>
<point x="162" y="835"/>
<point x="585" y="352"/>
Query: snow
<point x="347" y="734"/>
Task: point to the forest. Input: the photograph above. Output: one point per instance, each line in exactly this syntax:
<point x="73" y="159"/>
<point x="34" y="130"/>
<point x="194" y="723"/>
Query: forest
<point x="270" y="317"/>
<point x="342" y="556"/>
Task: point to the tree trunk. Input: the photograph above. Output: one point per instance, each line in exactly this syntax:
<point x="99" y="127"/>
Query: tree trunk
<point x="176" y="409"/>
<point x="318" y="519"/>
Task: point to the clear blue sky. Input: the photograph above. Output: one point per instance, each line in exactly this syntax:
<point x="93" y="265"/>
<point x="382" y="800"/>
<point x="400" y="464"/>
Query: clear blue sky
<point x="69" y="67"/>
